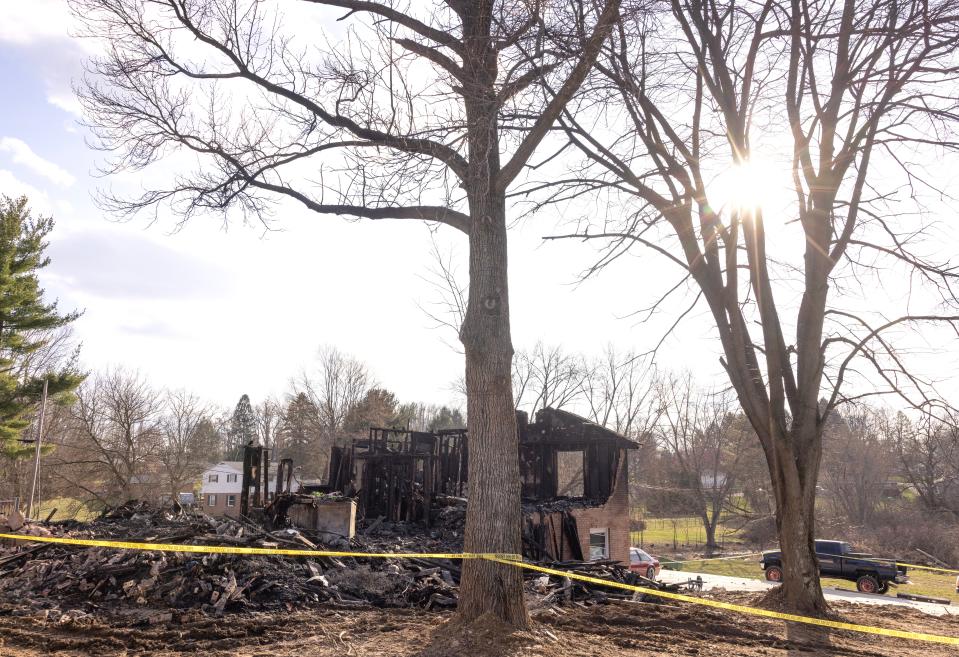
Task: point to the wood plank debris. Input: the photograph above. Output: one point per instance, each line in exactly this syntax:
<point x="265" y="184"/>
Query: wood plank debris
<point x="72" y="580"/>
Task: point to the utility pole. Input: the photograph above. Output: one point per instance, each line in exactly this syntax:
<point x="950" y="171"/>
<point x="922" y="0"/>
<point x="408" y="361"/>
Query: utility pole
<point x="36" y="463"/>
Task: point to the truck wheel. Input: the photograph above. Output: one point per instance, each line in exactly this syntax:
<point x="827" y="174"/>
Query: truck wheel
<point x="774" y="574"/>
<point x="867" y="584"/>
<point x="651" y="573"/>
<point x="883" y="588"/>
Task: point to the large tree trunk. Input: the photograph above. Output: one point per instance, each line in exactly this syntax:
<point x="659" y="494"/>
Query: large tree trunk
<point x="493" y="515"/>
<point x="794" y="483"/>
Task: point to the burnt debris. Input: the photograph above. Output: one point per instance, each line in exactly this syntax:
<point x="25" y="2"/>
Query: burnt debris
<point x="153" y="585"/>
<point x="402" y="491"/>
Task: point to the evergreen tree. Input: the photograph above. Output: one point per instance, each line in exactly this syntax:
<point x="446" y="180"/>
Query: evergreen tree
<point x="447" y="418"/>
<point x="242" y="428"/>
<point x="301" y="436"/>
<point x="377" y="408"/>
<point x="27" y="323"/>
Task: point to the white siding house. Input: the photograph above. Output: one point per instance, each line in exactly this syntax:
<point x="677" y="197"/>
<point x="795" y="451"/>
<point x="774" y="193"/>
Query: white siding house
<point x="222" y="484"/>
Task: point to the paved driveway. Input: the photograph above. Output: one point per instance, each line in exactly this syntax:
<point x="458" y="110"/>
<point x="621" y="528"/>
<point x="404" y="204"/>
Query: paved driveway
<point x="743" y="584"/>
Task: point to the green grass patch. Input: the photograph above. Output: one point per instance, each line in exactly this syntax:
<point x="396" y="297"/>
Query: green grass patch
<point x="665" y="533"/>
<point x="67" y="508"/>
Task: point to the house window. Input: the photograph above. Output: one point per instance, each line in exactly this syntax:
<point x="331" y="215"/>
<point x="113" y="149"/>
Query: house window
<point x="213" y="478"/>
<point x="599" y="543"/>
<point x="211" y="500"/>
<point x="231" y="499"/>
<point x="230" y="478"/>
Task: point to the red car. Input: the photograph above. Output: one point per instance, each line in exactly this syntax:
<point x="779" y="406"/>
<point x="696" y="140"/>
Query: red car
<point x="643" y="563"/>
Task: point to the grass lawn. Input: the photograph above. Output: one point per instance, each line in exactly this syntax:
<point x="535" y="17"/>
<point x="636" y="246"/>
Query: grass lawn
<point x="682" y="531"/>
<point x="922" y="582"/>
<point x="67" y="508"/>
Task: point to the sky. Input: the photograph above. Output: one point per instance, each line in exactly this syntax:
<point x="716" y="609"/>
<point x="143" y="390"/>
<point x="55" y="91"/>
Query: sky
<point x="226" y="310"/>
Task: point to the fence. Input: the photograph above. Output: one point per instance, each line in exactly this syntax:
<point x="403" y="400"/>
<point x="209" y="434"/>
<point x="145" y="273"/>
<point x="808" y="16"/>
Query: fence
<point x="681" y="533"/>
<point x="9" y="506"/>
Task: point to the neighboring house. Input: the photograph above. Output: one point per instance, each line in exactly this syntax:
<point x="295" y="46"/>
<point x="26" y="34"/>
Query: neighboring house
<point x="222" y="484"/>
<point x="712" y="481"/>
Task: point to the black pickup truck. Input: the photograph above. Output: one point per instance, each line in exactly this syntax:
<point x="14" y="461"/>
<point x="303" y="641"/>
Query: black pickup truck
<point x="837" y="559"/>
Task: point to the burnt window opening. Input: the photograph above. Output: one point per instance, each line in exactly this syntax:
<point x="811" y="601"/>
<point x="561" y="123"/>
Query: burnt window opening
<point x="570" y="466"/>
<point x="551" y="444"/>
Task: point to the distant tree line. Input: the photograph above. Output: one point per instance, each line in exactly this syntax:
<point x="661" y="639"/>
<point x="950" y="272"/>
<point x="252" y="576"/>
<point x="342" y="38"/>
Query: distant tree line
<point x="119" y="437"/>
<point x="888" y="478"/>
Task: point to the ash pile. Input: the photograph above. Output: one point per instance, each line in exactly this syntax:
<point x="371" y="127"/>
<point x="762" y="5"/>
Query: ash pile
<point x="73" y="581"/>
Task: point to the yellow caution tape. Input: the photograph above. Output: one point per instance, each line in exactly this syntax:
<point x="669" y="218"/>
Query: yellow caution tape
<point x="728" y="606"/>
<point x="226" y="549"/>
<point x="509" y="559"/>
<point x="917" y="566"/>
<point x="667" y="560"/>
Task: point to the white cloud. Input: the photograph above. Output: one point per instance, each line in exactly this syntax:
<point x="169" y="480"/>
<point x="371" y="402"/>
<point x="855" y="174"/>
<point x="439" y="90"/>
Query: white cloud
<point x="24" y="23"/>
<point x="68" y="102"/>
<point x="123" y="263"/>
<point x="24" y="155"/>
<point x="13" y="187"/>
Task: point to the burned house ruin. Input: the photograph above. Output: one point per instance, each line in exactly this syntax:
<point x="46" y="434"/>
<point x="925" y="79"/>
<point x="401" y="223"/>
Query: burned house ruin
<point x="574" y="481"/>
<point x="575" y="488"/>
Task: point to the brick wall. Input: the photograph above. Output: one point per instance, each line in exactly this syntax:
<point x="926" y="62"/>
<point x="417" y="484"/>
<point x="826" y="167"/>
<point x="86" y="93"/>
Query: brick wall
<point x="613" y="516"/>
<point x="219" y="507"/>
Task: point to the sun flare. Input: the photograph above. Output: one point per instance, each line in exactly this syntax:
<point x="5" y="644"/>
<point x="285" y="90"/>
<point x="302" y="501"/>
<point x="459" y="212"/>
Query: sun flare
<point x="755" y="184"/>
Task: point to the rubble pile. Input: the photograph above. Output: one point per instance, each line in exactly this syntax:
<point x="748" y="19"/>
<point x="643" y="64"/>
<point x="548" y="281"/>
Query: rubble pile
<point x="71" y="580"/>
<point x="444" y="535"/>
<point x="559" y="590"/>
<point x="54" y="576"/>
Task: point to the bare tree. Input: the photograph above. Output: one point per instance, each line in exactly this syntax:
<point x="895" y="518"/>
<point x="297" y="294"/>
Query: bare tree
<point x="547" y="376"/>
<point x="689" y="89"/>
<point x="269" y="424"/>
<point x="425" y="111"/>
<point x="339" y="384"/>
<point x="857" y="463"/>
<point x="188" y="441"/>
<point x="330" y="393"/>
<point x="114" y="436"/>
<point x="621" y="393"/>
<point x="300" y="435"/>
<point x="928" y="456"/>
<point x="449" y="310"/>
<point x="706" y="437"/>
